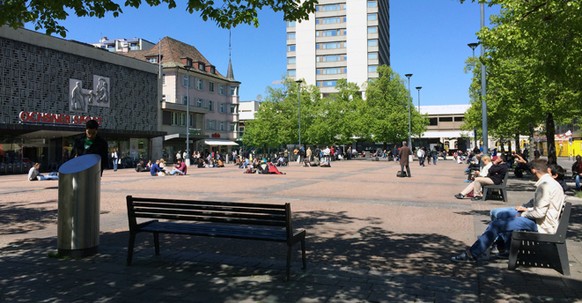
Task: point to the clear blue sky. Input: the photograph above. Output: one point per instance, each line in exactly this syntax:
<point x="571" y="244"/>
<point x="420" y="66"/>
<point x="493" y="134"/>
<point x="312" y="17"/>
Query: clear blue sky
<point x="428" y="39"/>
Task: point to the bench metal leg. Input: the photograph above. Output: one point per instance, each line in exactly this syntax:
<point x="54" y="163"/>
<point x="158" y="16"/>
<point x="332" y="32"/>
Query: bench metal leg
<point x="130" y="248"/>
<point x="513" y="251"/>
<point x="289" y="248"/>
<point x="157" y="243"/>
<point x="504" y="194"/>
<point x="564" y="263"/>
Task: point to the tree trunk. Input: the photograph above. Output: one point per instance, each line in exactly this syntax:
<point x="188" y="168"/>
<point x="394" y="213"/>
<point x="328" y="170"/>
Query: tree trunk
<point x="517" y="150"/>
<point x="550" y="139"/>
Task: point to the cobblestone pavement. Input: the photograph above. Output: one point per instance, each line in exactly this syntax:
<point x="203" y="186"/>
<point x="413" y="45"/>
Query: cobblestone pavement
<point x="372" y="237"/>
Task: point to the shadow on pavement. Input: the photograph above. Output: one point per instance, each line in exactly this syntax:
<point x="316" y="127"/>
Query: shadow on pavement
<point x="367" y="263"/>
<point x="17" y="218"/>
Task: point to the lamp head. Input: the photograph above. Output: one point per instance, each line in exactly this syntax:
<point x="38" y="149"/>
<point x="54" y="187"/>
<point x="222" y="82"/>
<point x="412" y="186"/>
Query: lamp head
<point x="298" y="81"/>
<point x="408" y="75"/>
<point x="418" y="87"/>
<point x="473" y="45"/>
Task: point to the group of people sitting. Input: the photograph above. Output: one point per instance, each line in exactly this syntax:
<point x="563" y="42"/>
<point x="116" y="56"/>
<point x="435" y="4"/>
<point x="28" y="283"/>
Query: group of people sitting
<point x="159" y="168"/>
<point x="260" y="167"/>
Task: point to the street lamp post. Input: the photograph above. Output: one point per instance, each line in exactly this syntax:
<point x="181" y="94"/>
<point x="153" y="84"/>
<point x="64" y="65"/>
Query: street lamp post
<point x="418" y="88"/>
<point x="299" y="111"/>
<point x="408" y="102"/>
<point x="483" y="89"/>
<point x="474" y="45"/>
<point x="187" y="158"/>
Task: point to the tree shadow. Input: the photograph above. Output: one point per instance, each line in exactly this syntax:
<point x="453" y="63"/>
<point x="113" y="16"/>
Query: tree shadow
<point x="368" y="263"/>
<point x="19" y="217"/>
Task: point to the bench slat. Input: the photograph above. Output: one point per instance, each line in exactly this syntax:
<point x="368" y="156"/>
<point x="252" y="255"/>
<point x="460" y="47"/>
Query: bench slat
<point x="213" y="230"/>
<point x="217" y="219"/>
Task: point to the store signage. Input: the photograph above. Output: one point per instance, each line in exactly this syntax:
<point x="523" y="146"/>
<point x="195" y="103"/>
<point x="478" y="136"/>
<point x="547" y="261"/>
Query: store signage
<point x="37" y="117"/>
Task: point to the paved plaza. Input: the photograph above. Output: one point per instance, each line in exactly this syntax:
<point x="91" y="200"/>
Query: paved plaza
<point x="371" y="237"/>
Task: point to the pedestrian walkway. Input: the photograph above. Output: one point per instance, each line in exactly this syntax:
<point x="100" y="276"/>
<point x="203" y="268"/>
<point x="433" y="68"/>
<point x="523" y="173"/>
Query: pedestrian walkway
<point x="371" y="237"/>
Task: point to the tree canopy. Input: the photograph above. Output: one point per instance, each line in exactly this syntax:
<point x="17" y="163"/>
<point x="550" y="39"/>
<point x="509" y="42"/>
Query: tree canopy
<point x="534" y="67"/>
<point x="226" y="13"/>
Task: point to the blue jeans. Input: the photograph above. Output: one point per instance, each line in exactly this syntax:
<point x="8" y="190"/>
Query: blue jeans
<point x="577" y="179"/>
<point x="500" y="227"/>
<point x="114" y="164"/>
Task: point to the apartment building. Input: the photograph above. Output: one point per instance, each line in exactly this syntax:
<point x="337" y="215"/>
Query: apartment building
<point x="341" y="40"/>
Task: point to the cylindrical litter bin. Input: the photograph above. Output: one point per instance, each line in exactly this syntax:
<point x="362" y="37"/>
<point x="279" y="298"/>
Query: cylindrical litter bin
<point x="79" y="198"/>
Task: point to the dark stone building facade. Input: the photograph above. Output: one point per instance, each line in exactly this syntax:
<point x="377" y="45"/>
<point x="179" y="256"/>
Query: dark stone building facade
<point x="49" y="87"/>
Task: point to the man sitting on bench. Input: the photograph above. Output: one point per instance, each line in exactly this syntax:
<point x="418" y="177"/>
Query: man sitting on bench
<point x="543" y="216"/>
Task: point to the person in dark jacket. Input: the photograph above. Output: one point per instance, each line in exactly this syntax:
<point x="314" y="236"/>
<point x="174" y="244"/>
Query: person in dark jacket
<point x="92" y="143"/>
<point x="404" y="154"/>
<point x="495" y="175"/>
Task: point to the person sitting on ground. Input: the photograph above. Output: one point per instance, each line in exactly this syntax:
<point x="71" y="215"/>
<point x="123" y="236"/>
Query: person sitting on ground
<point x="273" y="169"/>
<point x="263" y="168"/>
<point x="577" y="171"/>
<point x="491" y="173"/>
<point x="141" y="167"/>
<point x="541" y="215"/>
<point x="156" y="170"/>
<point x="219" y="163"/>
<point x="179" y="168"/>
<point x="200" y="163"/>
<point x="35" y="175"/>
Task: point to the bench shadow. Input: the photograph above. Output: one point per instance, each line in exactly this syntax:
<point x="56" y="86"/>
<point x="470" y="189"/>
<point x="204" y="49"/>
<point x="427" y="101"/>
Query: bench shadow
<point x="366" y="264"/>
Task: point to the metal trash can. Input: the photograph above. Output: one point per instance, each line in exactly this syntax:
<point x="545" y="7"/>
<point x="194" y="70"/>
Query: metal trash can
<point x="79" y="198"/>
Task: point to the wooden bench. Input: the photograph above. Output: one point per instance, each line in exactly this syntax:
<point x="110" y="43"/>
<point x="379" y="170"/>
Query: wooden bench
<point x="502" y="188"/>
<point x="542" y="250"/>
<point x="251" y="221"/>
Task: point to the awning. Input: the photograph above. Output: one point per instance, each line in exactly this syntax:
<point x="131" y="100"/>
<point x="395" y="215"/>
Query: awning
<point x="446" y="134"/>
<point x="219" y="142"/>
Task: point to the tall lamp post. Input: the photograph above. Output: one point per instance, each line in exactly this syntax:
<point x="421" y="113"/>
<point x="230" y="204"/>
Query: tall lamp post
<point x="418" y="88"/>
<point x="187" y="158"/>
<point x="474" y="45"/>
<point x="299" y="110"/>
<point x="409" y="125"/>
<point x="483" y="90"/>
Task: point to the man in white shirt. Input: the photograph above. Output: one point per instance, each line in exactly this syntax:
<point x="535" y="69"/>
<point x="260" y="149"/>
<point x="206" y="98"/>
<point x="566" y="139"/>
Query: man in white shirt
<point x="543" y="215"/>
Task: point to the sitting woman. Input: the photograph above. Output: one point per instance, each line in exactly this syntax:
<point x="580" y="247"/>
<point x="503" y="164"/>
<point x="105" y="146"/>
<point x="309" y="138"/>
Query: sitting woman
<point x="179" y="168"/>
<point x="34" y="174"/>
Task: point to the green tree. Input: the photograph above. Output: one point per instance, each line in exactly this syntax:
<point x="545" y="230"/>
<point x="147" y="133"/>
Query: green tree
<point x="386" y="109"/>
<point x="541" y="42"/>
<point x="226" y="13"/>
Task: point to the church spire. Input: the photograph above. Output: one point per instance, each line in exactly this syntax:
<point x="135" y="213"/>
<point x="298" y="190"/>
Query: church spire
<point x="229" y="72"/>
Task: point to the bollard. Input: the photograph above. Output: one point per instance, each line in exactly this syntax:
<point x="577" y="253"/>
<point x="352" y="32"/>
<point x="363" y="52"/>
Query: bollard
<point x="79" y="197"/>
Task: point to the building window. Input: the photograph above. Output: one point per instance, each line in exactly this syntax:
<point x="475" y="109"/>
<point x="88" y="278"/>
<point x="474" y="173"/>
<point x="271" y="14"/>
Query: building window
<point x="199" y="103"/>
<point x="445" y="119"/>
<point x="211" y="124"/>
<point x="211" y="86"/>
<point x="210" y="106"/>
<point x="372" y="68"/>
<point x="332" y="58"/>
<point x="433" y="121"/>
<point x="459" y="119"/>
<point x="291" y="73"/>
<point x="185" y="100"/>
<point x="331" y="20"/>
<point x="291" y="47"/>
<point x="373" y="43"/>
<point x="153" y="60"/>
<point x="373" y="56"/>
<point x="330" y="7"/>
<point x="222" y="128"/>
<point x="233" y="109"/>
<point x="233" y="90"/>
<point x="291" y="36"/>
<point x="330" y="45"/>
<point x="222" y="108"/>
<point x="200" y="84"/>
<point x="372" y="3"/>
<point x="291" y="60"/>
<point x="332" y="71"/>
<point x="331" y="33"/>
<point x="372" y="30"/>
<point x="290" y="23"/>
<point x="201" y="66"/>
<point x="185" y="81"/>
<point x="372" y="17"/>
<point x="328" y="83"/>
<point x="221" y="90"/>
